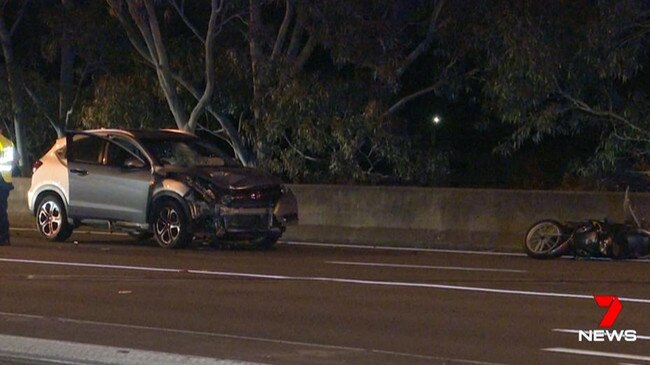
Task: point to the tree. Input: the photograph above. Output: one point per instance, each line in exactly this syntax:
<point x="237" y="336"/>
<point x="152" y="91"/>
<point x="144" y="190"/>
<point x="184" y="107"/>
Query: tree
<point x="326" y="84"/>
<point x="572" y="68"/>
<point x="68" y="28"/>
<point x="14" y="78"/>
<point x="140" y="21"/>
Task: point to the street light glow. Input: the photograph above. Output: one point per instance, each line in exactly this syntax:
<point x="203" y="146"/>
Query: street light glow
<point x="436" y="119"/>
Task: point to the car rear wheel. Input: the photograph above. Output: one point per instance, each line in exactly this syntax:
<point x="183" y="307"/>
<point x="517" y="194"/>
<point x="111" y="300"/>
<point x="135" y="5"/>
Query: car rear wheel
<point x="52" y="219"/>
<point x="171" y="225"/>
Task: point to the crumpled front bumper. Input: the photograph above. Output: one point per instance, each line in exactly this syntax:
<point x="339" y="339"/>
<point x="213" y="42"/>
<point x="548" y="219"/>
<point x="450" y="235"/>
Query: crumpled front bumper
<point x="232" y="222"/>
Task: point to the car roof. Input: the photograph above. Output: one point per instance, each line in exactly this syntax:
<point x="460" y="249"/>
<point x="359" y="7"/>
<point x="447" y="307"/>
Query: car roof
<point x="142" y="133"/>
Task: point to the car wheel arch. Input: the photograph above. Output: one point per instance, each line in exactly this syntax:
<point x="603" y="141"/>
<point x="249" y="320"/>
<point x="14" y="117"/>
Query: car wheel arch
<point x="161" y="197"/>
<point x="49" y="191"/>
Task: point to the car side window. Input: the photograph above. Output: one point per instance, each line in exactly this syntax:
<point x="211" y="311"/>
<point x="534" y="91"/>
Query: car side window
<point x="129" y="146"/>
<point x="86" y="149"/>
<point x="116" y="156"/>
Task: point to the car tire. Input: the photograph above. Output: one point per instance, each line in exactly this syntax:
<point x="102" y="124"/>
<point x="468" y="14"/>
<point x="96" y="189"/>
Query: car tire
<point x="171" y="226"/>
<point x="52" y="219"/>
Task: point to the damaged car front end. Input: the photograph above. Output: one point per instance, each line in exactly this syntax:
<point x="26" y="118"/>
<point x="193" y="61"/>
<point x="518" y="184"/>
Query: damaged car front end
<point x="256" y="209"/>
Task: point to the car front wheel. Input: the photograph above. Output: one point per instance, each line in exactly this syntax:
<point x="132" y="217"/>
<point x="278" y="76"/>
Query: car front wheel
<point x="171" y="225"/>
<point x="52" y="219"/>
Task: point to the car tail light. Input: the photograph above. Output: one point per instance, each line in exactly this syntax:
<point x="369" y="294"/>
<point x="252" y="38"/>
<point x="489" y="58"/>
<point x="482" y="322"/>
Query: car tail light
<point x="37" y="164"/>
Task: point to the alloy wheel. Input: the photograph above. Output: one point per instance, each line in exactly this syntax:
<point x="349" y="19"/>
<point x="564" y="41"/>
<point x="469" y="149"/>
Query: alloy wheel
<point x="50" y="218"/>
<point x="168" y="226"/>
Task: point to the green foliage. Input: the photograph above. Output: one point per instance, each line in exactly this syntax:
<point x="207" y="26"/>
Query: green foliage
<point x="544" y="70"/>
<point x="316" y="130"/>
<point x="571" y="68"/>
<point x="127" y="101"/>
<point x="329" y="123"/>
<point x="40" y="135"/>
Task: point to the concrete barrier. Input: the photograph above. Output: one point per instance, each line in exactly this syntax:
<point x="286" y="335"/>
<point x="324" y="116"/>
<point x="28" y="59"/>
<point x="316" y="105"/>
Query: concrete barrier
<point x="485" y="219"/>
<point x="19" y="214"/>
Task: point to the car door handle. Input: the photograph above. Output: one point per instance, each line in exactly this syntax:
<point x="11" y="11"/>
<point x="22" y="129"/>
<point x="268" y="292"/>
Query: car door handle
<point x="79" y="172"/>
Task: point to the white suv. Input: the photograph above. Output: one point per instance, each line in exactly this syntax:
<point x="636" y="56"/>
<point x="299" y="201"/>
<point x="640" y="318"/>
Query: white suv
<point x="167" y="183"/>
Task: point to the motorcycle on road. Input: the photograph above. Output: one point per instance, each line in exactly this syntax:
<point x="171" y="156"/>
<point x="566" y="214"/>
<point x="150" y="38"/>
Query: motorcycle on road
<point x="591" y="238"/>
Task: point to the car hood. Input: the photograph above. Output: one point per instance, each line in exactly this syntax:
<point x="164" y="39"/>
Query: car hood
<point x="231" y="178"/>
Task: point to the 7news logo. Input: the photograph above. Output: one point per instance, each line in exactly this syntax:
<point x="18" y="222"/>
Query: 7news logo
<point x="614" y="308"/>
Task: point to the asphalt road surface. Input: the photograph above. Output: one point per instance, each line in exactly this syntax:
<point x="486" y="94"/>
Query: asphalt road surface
<point x="108" y="298"/>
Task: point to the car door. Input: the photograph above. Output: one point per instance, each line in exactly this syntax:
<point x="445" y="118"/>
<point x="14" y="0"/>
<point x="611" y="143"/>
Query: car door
<point x="106" y="180"/>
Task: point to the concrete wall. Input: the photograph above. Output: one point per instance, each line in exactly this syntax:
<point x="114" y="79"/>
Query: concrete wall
<point x="19" y="215"/>
<point x="444" y="218"/>
<point x="420" y="217"/>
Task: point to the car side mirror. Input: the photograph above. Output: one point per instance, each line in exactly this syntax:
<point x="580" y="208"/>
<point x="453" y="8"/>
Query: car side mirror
<point x="133" y="163"/>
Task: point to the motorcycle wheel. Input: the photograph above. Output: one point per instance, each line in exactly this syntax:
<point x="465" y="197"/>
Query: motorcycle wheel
<point x="546" y="239"/>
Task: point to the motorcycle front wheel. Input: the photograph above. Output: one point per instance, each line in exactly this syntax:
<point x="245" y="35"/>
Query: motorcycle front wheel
<point x="546" y="239"/>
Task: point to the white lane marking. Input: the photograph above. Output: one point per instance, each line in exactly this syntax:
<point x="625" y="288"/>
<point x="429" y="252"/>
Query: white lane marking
<point x="245" y="338"/>
<point x="327" y="279"/>
<point x="367" y="247"/>
<point x="597" y="353"/>
<point x="458" y="268"/>
<point x="332" y="245"/>
<point x="63" y="352"/>
<point x="563" y="330"/>
<point x="437" y="250"/>
<point x="390" y="248"/>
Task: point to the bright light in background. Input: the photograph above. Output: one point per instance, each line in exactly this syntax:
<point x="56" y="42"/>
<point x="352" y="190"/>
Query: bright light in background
<point x="436" y="119"/>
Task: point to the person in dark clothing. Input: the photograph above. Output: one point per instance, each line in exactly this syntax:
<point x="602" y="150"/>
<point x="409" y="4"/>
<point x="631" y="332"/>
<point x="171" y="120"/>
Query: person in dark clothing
<point x="6" y="184"/>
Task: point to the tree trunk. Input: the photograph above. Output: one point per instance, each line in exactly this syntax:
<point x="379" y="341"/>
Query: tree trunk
<point x="66" y="76"/>
<point x="205" y="99"/>
<point x="15" y="91"/>
<point x="284" y="28"/>
<point x="142" y="44"/>
<point x="144" y="16"/>
<point x="254" y="24"/>
<point x="256" y="55"/>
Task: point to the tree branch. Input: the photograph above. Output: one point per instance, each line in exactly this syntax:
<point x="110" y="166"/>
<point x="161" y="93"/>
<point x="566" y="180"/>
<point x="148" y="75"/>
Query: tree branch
<point x="209" y="66"/>
<point x="584" y="107"/>
<point x="216" y="134"/>
<point x="187" y="22"/>
<point x="163" y="68"/>
<point x="304" y="55"/>
<point x="294" y="44"/>
<point x="426" y="42"/>
<point x="41" y="107"/>
<point x="68" y="114"/>
<point x="21" y="13"/>
<point x="119" y="12"/>
<point x="284" y="28"/>
<point x="302" y="154"/>
<point x="403" y="101"/>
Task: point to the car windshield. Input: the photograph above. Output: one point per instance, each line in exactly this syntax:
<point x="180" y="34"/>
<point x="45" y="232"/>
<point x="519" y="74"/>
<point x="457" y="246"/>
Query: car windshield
<point x="186" y="151"/>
